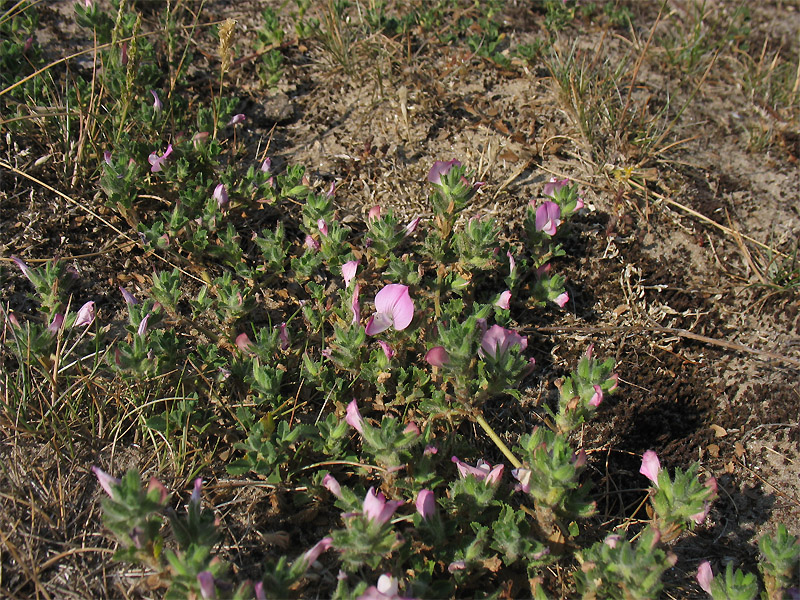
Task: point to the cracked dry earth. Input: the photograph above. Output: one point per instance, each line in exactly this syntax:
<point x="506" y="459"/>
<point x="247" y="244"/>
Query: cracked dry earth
<point x="662" y="270"/>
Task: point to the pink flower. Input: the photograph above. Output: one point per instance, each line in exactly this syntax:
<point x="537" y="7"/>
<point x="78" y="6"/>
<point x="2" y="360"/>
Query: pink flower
<point x="353" y="417"/>
<point x="498" y="340"/>
<point x="524" y="477"/>
<point x="548" y="217"/>
<point x="283" y="336"/>
<point x="387" y="589"/>
<point x="56" y="324"/>
<point x="426" y="504"/>
<point x="612" y="540"/>
<point x="311" y="243"/>
<point x="142" y="330"/>
<point x="412" y="226"/>
<point x="395" y="308"/>
<point x="236" y="119"/>
<point x="374" y="214"/>
<point x="349" y="271"/>
<point x="597" y="397"/>
<point x="221" y="195"/>
<point x="355" y="306"/>
<point x="157" y="106"/>
<point x="208" y="590"/>
<point x="552" y="186"/>
<point x="24" y="268"/>
<point x="440" y="168"/>
<point x="437" y="356"/>
<point x="313" y="553"/>
<point x="266" y="165"/>
<point x="430" y="450"/>
<point x="322" y="226"/>
<point x="651" y="466"/>
<point x="155" y="160"/>
<point x="107" y="482"/>
<point x="562" y="299"/>
<point x="85" y="315"/>
<point x="504" y="301"/>
<point x="387" y="349"/>
<point x="456" y="565"/>
<point x="243" y="343"/>
<point x="705" y="576"/>
<point x="199" y="137"/>
<point x="483" y="471"/>
<point x="412" y="428"/>
<point x="107" y="158"/>
<point x="377" y="509"/>
<point x="330" y="484"/>
<point x="129" y="299"/>
<point x="512" y="264"/>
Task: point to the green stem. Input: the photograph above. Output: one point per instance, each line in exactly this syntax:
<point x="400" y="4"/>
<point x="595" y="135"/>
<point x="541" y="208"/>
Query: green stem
<point x="496" y="439"/>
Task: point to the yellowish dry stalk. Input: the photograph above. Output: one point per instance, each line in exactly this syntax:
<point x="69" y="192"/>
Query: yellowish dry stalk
<point x="225" y="44"/>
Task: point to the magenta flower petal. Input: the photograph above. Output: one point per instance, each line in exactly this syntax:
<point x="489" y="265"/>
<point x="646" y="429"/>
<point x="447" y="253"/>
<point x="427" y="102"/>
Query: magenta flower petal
<point x="353" y="417"/>
<point x="548" y="217"/>
<point x="651" y="466"/>
<point x="377" y="509"/>
<point x="349" y="271"/>
<point x="313" y="553"/>
<point x="705" y="576"/>
<point x="283" y="336"/>
<point x="552" y="186"/>
<point x="437" y="356"/>
<point x="208" y="590"/>
<point x="483" y="471"/>
<point x="440" y="168"/>
<point x="387" y="349"/>
<point x="426" y="504"/>
<point x="56" y="324"/>
<point x="498" y="340"/>
<point x="322" y="226"/>
<point x="156" y="161"/>
<point x="311" y="243"/>
<point x="597" y="397"/>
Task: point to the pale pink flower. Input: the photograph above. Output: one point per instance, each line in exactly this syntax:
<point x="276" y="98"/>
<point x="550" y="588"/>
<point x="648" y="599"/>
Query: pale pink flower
<point x="387" y="349"/>
<point x="266" y="166"/>
<point x="498" y="340"/>
<point x="387" y="589"/>
<point x="283" y="336"/>
<point x="524" y="477"/>
<point x="512" y="264"/>
<point x="374" y="213"/>
<point x="441" y="168"/>
<point x="236" y="119"/>
<point x="355" y="306"/>
<point x="426" y="504"/>
<point x="705" y="576"/>
<point x="612" y="540"/>
<point x="548" y="217"/>
<point x="221" y="195"/>
<point x="412" y="428"/>
<point x="129" y="298"/>
<point x="107" y="482"/>
<point x="562" y="299"/>
<point x="142" y="330"/>
<point x="330" y="484"/>
<point x="56" y="324"/>
<point x="456" y="565"/>
<point x="322" y="226"/>
<point x="349" y="270"/>
<point x="552" y="186"/>
<point x="377" y="509"/>
<point x="199" y="138"/>
<point x="157" y="106"/>
<point x="85" y="315"/>
<point x="353" y="417"/>
<point x="651" y="466"/>
<point x="395" y="308"/>
<point x="412" y="226"/>
<point x="311" y="243"/>
<point x="156" y="161"/>
<point x="597" y="397"/>
<point x="24" y="268"/>
<point x="483" y="471"/>
<point x="504" y="301"/>
<point x="243" y="343"/>
<point x="313" y="553"/>
<point x="437" y="356"/>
